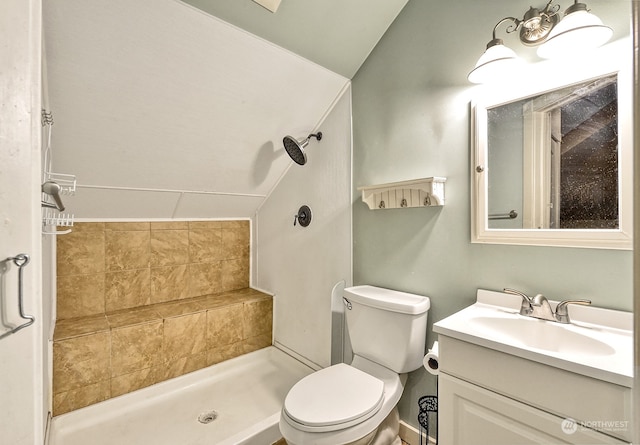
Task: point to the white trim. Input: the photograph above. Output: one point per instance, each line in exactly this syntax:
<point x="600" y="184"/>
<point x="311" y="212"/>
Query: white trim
<point x="141" y="220"/>
<point x="635" y="408"/>
<point x="613" y="58"/>
<point x="193" y="192"/>
<point x="536" y="174"/>
<point x="251" y="265"/>
<point x="253" y="279"/>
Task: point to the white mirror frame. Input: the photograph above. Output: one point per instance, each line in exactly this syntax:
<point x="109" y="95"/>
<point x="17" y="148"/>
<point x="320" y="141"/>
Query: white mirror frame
<point x="614" y="58"/>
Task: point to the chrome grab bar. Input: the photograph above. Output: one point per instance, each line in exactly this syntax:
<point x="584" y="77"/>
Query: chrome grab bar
<point x="20" y="260"/>
<point x="511" y="215"/>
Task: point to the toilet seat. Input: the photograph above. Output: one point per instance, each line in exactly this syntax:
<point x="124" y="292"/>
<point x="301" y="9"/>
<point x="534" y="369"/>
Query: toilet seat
<point x="333" y="398"/>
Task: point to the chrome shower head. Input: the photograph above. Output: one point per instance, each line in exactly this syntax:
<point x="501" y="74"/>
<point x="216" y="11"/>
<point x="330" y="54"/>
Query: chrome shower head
<point x="295" y="148"/>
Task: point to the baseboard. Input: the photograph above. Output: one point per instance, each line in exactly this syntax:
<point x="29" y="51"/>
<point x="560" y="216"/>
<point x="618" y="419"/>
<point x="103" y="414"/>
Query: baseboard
<point x="412" y="436"/>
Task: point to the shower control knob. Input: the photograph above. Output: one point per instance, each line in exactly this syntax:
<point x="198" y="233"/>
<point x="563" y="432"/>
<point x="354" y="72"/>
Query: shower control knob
<point x="303" y="217"/>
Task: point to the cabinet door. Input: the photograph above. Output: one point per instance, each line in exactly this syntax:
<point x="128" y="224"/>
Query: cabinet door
<point x="470" y="415"/>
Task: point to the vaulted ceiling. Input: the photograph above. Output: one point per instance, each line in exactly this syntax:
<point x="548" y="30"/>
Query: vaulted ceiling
<point x="336" y="34"/>
<point x="162" y="110"/>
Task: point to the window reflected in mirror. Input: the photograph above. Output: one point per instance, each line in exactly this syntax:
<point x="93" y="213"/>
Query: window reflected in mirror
<point x="553" y="159"/>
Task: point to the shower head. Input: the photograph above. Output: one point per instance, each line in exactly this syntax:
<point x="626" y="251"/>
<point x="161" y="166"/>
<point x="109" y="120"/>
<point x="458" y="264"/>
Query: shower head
<point x="295" y="148"/>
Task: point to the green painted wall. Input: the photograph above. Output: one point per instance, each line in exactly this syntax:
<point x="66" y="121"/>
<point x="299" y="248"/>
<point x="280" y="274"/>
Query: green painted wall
<point x="410" y="120"/>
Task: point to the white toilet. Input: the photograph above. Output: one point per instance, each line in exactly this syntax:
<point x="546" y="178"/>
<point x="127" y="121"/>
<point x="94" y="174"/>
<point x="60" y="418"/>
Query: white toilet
<point x="356" y="404"/>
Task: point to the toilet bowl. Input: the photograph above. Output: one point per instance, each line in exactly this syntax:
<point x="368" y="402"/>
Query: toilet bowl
<point x="340" y="404"/>
<point x="356" y="404"/>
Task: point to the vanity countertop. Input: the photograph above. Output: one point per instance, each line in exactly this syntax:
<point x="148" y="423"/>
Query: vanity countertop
<point x="597" y="343"/>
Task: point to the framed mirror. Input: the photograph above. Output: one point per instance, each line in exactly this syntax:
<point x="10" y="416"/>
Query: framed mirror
<point x="552" y="165"/>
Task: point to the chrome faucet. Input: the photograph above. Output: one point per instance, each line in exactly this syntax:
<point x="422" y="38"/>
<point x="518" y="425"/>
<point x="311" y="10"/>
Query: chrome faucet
<point x="539" y="307"/>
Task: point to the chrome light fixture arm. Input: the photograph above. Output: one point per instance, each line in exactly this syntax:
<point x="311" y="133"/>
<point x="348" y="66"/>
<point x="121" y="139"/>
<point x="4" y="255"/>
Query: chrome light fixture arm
<point x="511" y="28"/>
<point x="538" y="27"/>
<point x="535" y="26"/>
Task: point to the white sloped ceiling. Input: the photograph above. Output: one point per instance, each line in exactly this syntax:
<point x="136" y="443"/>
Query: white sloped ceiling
<point x="336" y="34"/>
<point x="162" y="111"/>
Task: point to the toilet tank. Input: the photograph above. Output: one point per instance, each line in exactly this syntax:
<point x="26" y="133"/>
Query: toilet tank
<point x="386" y="326"/>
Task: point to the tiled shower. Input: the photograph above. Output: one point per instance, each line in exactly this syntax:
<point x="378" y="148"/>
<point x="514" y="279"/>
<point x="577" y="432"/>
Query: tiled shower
<point x="142" y="302"/>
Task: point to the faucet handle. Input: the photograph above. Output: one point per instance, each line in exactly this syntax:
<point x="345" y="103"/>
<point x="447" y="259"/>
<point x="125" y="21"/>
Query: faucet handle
<point x="53" y="189"/>
<point x="526" y="306"/>
<point x="562" y="313"/>
<point x="524" y="296"/>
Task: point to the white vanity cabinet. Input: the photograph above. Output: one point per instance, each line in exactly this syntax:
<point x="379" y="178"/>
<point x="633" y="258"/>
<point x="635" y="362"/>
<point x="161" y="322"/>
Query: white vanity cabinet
<point x="490" y="397"/>
<point x="475" y="416"/>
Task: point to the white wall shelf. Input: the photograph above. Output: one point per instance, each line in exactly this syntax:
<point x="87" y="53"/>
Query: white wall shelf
<point x="424" y="192"/>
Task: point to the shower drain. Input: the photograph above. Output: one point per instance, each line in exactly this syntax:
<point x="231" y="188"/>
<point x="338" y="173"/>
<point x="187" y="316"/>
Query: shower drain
<point x="207" y="417"/>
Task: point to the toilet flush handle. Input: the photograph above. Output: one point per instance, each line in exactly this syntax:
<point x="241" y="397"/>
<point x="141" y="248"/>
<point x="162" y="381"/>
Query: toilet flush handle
<point x="347" y="303"/>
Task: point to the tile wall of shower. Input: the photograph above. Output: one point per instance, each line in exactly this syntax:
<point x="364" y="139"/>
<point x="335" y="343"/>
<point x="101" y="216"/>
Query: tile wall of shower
<point x="142" y="302"/>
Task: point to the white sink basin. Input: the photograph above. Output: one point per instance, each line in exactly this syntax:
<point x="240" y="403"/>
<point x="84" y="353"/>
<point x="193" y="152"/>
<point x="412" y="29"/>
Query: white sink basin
<point x="597" y="343"/>
<point x="543" y="335"/>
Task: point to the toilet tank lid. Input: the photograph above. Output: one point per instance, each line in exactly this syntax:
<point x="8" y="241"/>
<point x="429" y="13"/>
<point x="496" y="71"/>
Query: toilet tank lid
<point x="387" y="299"/>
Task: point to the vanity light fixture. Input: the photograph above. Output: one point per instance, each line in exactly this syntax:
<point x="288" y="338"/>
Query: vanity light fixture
<point x="497" y="61"/>
<point x="579" y="30"/>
